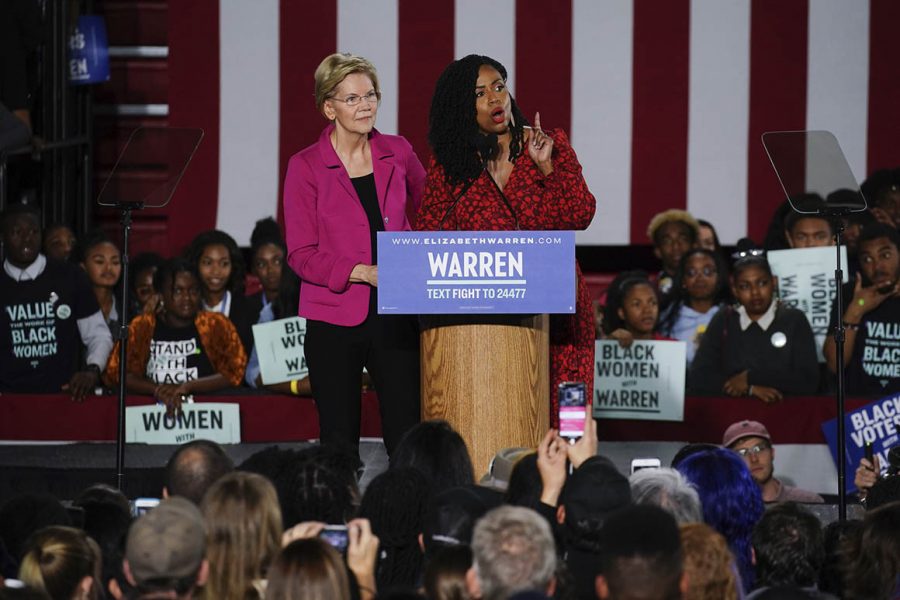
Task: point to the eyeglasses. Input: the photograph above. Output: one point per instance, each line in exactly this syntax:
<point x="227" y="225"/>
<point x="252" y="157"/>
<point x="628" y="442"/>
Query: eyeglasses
<point x="707" y="271"/>
<point x="748" y="253"/>
<point x="752" y="449"/>
<point x="372" y="97"/>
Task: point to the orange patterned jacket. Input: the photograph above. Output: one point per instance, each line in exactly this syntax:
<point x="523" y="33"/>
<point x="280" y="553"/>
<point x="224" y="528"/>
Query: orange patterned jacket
<point x="217" y="335"/>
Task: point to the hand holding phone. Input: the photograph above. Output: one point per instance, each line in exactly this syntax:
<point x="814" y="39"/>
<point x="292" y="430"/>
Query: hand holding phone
<point x="336" y="536"/>
<point x="572" y="410"/>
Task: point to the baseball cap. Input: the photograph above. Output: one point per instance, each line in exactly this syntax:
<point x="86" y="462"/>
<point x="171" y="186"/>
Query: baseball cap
<point x="743" y="429"/>
<point x="169" y="542"/>
<point x="594" y="490"/>
<point x="451" y="515"/>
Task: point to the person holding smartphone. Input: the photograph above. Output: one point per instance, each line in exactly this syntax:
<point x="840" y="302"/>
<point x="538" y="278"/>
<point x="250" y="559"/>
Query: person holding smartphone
<point x="871" y="316"/>
<point x="359" y="546"/>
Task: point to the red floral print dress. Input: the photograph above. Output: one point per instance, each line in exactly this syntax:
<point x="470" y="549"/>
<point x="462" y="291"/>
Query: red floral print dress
<point x="561" y="200"/>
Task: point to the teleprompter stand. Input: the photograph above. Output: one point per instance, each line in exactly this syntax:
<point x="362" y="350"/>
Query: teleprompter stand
<point x="818" y="181"/>
<point x="165" y="152"/>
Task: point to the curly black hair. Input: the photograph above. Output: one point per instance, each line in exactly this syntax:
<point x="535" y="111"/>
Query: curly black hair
<point x="453" y="132"/>
<point x="213" y="237"/>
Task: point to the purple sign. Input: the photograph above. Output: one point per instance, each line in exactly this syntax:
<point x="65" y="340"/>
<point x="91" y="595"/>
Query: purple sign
<point x="477" y="272"/>
<point x="877" y="423"/>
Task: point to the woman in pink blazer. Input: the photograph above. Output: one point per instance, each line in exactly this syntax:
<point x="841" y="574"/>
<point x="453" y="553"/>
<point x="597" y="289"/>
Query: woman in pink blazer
<point x="338" y="193"/>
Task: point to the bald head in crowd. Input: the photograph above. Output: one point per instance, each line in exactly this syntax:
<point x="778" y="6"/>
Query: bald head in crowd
<point x="193" y="468"/>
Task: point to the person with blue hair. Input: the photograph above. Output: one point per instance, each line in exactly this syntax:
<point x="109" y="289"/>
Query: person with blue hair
<point x="731" y="499"/>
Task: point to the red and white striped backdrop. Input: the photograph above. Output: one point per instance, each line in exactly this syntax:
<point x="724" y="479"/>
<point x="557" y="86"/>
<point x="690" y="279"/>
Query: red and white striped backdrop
<point x="664" y="100"/>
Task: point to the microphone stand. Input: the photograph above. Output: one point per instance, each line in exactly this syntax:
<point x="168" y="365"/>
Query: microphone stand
<point x="837" y="225"/>
<point x="126" y="208"/>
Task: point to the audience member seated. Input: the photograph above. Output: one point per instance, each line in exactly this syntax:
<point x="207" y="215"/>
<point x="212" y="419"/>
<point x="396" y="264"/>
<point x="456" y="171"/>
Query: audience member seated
<point x="279" y="298"/>
<point x="394" y="504"/>
<point x="837" y="536"/>
<point x="640" y="556"/>
<point x="47" y="306"/>
<point x="707" y="238"/>
<point x="318" y="483"/>
<point x="592" y="492"/>
<point x="632" y="309"/>
<point x="184" y="351"/>
<point x="450" y="517"/>
<point x="193" y="468"/>
<point x="731" y="500"/>
<point x="854" y="223"/>
<point x="102" y="262"/>
<point x="871" y="565"/>
<point x="708" y="564"/>
<point x="218" y="261"/>
<point x="361" y="556"/>
<point x="64" y="563"/>
<point x="243" y="522"/>
<point x="669" y="490"/>
<point x="871" y="316"/>
<point x="308" y="568"/>
<point x="807" y="231"/>
<point x="24" y="514"/>
<point x="143" y="298"/>
<point x="165" y="555"/>
<point x="762" y="349"/>
<point x="699" y="291"/>
<point x="445" y="573"/>
<point x="673" y="232"/>
<point x="59" y="242"/>
<point x="788" y="550"/>
<point x="752" y="442"/>
<point x="513" y="552"/>
<point x="438" y="452"/>
<point x="775" y="238"/>
<point x="884" y="491"/>
<point x="107" y="516"/>
<point x="882" y="189"/>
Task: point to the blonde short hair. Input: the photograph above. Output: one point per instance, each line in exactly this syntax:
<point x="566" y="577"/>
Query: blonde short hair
<point x="335" y="68"/>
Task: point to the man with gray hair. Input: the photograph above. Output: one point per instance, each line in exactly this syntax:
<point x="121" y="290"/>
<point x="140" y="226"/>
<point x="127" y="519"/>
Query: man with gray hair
<point x="513" y="551"/>
<point x="669" y="490"/>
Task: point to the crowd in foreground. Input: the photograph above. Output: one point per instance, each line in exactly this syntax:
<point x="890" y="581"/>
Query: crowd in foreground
<point x="291" y="524"/>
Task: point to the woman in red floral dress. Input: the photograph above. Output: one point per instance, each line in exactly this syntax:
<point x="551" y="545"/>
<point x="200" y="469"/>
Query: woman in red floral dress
<point x="492" y="172"/>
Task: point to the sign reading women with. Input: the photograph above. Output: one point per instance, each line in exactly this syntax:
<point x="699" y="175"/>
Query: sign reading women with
<point x="806" y="282"/>
<point x="876" y="423"/>
<point x="643" y="381"/>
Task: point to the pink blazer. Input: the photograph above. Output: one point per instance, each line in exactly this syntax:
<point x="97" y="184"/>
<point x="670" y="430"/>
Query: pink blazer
<point x="326" y="227"/>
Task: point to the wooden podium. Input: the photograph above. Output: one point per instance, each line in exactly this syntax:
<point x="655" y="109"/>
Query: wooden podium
<point x="489" y="377"/>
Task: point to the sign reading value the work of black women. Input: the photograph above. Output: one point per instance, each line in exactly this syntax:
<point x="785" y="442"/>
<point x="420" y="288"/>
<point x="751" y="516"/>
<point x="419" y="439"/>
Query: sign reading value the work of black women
<point x="643" y="381"/>
<point x="476" y="272"/>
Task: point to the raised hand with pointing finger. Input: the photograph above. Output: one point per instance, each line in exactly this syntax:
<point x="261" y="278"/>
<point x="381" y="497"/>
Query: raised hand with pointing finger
<point x="540" y="146"/>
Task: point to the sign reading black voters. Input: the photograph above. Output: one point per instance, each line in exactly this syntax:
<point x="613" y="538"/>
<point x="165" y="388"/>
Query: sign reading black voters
<point x="279" y="346"/>
<point x="643" y="381"/>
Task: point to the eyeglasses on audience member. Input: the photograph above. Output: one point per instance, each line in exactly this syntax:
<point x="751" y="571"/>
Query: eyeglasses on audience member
<point x="752" y="449"/>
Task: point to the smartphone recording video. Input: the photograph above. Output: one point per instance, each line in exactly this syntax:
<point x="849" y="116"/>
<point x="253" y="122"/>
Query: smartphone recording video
<point x="336" y="536"/>
<point x="572" y="407"/>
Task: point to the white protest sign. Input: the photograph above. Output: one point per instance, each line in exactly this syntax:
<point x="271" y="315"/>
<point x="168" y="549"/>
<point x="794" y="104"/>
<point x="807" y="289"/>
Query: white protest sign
<point x="218" y="422"/>
<point x="644" y="381"/>
<point x="806" y="282"/>
<point x="279" y="346"/>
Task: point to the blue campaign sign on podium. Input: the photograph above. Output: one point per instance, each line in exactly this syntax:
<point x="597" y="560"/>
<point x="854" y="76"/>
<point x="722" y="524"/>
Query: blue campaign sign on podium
<point x="476" y="272"/>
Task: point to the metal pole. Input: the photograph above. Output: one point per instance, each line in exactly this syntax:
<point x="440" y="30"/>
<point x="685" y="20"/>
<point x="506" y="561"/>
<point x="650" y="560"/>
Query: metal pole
<point x="838" y="224"/>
